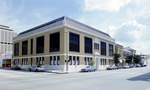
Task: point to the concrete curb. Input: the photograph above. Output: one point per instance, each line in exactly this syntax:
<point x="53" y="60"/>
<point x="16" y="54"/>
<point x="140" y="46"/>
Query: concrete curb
<point x="57" y="72"/>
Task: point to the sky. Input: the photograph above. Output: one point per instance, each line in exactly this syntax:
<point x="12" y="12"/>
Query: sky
<point x="127" y="21"/>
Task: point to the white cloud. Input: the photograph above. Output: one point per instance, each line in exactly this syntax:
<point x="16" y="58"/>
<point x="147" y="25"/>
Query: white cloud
<point x="130" y="34"/>
<point x="108" y="5"/>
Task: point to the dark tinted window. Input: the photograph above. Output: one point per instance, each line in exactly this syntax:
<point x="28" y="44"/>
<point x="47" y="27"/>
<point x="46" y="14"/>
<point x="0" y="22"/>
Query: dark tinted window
<point x="31" y="46"/>
<point x="40" y="44"/>
<point x="16" y="49"/>
<point x="77" y="60"/>
<point x="85" y="61"/>
<point x="70" y="58"/>
<point x="110" y="50"/>
<point x="88" y="45"/>
<point x="74" y="42"/>
<point x="24" y="47"/>
<point x="103" y="48"/>
<point x="54" y="42"/>
<point x="51" y="62"/>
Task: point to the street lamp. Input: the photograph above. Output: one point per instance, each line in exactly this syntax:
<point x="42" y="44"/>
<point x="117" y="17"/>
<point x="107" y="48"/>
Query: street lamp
<point x="66" y="51"/>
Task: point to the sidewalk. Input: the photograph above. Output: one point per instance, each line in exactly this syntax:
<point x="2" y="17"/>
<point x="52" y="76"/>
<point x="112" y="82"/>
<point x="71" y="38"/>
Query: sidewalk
<point x="66" y="72"/>
<point x="8" y="68"/>
<point x="57" y="71"/>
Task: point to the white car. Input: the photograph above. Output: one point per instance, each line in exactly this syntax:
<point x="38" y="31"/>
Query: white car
<point x="126" y="66"/>
<point x="89" y="69"/>
<point x="36" y="68"/>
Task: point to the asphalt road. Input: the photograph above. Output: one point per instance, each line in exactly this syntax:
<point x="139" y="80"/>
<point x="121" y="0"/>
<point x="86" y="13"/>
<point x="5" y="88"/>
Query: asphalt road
<point x="124" y="79"/>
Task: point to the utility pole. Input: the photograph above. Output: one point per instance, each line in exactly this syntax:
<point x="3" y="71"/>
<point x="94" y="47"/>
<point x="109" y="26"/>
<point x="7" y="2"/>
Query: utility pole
<point x="5" y="55"/>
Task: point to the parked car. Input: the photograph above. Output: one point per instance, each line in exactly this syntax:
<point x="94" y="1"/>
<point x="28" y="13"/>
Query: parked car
<point x="89" y="69"/>
<point x="144" y="65"/>
<point x="125" y="66"/>
<point x="138" y="65"/>
<point x="112" y="68"/>
<point x="36" y="68"/>
<point x="131" y="66"/>
<point x="119" y="66"/>
<point x="15" y="67"/>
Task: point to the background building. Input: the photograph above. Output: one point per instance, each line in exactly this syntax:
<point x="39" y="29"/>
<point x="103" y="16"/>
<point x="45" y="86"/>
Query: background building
<point x="128" y="51"/>
<point x="145" y="59"/>
<point x="47" y="43"/>
<point x="6" y="40"/>
<point x="119" y="50"/>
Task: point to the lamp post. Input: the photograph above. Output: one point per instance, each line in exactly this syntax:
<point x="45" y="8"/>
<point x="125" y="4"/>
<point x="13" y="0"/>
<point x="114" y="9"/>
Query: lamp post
<point x="67" y="51"/>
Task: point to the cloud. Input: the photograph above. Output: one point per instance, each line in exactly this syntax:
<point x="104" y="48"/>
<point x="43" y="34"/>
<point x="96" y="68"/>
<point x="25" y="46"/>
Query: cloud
<point x="127" y="32"/>
<point x="132" y="34"/>
<point x="108" y="5"/>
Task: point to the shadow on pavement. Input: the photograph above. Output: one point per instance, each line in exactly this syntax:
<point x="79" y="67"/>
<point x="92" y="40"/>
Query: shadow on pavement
<point x="144" y="77"/>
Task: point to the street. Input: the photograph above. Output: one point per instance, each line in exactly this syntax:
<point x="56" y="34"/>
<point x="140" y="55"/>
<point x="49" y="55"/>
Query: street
<point x="123" y="79"/>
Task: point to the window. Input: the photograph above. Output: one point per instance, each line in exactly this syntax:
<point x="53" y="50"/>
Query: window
<point x="74" y="42"/>
<point x="40" y="59"/>
<point x="58" y="60"/>
<point x="103" y="61"/>
<point x="74" y="61"/>
<point x="51" y="61"/>
<point x="110" y="50"/>
<point x="31" y="61"/>
<point x="25" y="61"/>
<point x="110" y="62"/>
<point x="40" y="44"/>
<point x="85" y="63"/>
<point x="77" y="60"/>
<point x="70" y="58"/>
<point x="54" y="42"/>
<point x="16" y="49"/>
<point x="24" y="47"/>
<point x="31" y="46"/>
<point x="16" y="61"/>
<point x="96" y="46"/>
<point x="88" y="45"/>
<point x="54" y="60"/>
<point x="88" y="59"/>
<point x="103" y="48"/>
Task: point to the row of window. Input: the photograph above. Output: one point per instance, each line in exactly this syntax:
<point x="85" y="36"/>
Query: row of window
<point x="110" y="62"/>
<point x="74" y="45"/>
<point x="73" y="60"/>
<point x="6" y="43"/>
<point x="103" y="62"/>
<point x="55" y="60"/>
<point x="16" y="61"/>
<point x="86" y="60"/>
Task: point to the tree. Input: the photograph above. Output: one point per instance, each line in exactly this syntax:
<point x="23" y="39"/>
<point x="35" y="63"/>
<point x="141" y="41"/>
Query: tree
<point x="116" y="58"/>
<point x="91" y="63"/>
<point x="14" y="63"/>
<point x="38" y="63"/>
<point x="137" y="59"/>
<point x="129" y="59"/>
